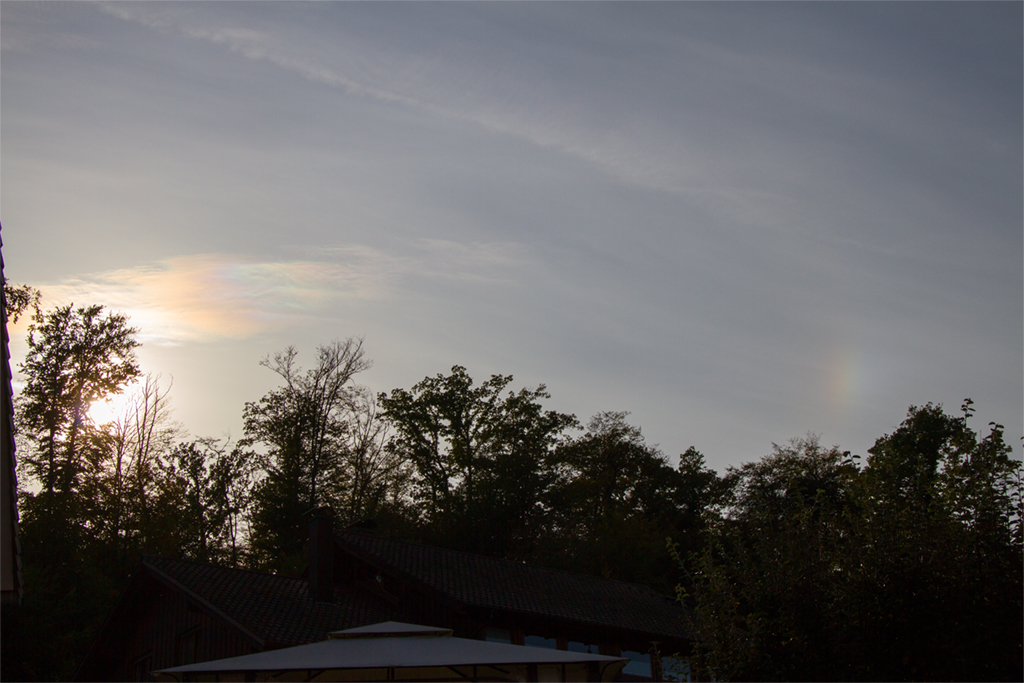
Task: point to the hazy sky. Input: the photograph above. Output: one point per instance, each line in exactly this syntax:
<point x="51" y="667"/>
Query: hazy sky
<point x="739" y="222"/>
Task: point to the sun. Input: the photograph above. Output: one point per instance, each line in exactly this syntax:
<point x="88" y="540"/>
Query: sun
<point x="110" y="408"/>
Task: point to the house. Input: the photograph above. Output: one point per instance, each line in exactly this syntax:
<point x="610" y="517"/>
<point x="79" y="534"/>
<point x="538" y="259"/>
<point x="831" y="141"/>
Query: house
<point x="177" y="612"/>
<point x="504" y="601"/>
<point x="10" y="549"/>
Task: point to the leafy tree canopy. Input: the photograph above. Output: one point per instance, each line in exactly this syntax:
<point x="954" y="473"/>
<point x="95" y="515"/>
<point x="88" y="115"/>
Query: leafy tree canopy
<point x="301" y="432"/>
<point x="909" y="568"/>
<point x="18" y="299"/>
<point x="482" y="460"/>
<point x="75" y="356"/>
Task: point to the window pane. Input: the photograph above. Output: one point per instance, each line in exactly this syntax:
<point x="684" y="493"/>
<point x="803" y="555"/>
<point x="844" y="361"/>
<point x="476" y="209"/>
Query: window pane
<point x="639" y="665"/>
<point x="498" y="635"/>
<point x="541" y="641"/>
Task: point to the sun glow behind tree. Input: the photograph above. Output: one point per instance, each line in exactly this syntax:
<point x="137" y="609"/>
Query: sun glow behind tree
<point x="113" y="407"/>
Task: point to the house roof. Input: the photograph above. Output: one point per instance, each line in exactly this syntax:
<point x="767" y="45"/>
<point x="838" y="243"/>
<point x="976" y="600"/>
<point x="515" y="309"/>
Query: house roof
<point x="275" y="609"/>
<point x="493" y="583"/>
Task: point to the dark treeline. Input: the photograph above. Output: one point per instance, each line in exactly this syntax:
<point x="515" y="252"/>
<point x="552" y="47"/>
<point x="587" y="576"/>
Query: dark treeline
<point x="805" y="565"/>
<point x="907" y="568"/>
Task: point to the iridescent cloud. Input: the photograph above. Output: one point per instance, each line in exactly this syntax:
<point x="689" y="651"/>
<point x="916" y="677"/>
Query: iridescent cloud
<point x="205" y="296"/>
<point x="211" y="295"/>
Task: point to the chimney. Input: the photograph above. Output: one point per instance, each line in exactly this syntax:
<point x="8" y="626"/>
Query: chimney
<point x="321" y="555"/>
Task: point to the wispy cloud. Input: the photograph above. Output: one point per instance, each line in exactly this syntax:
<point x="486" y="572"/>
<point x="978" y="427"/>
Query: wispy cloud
<point x="469" y="93"/>
<point x="206" y="296"/>
<point x="668" y="139"/>
<point x="260" y="46"/>
<point x="833" y="213"/>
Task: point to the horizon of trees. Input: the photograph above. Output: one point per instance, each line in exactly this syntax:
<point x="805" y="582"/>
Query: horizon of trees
<point x="804" y="565"/>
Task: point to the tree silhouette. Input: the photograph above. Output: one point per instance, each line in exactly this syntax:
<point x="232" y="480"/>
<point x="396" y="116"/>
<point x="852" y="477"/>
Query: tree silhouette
<point x="301" y="432"/>
<point x="909" y="568"/>
<point x="483" y="461"/>
<point x="75" y="356"/>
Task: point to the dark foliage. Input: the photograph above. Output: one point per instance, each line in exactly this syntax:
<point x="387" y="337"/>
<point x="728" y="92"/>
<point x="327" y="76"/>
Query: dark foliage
<point x="317" y="443"/>
<point x="802" y="566"/>
<point x="483" y="462"/>
<point x="618" y="498"/>
<point x="75" y="356"/>
<point x="18" y="299"/>
<point x="907" y="569"/>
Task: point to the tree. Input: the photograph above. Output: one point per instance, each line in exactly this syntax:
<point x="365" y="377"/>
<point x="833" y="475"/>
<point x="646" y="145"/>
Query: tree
<point x="378" y="478"/>
<point x="124" y="478"/>
<point x="765" y="586"/>
<point x="942" y="577"/>
<point x="618" y="498"/>
<point x="483" y="461"/>
<point x="302" y="429"/>
<point x="18" y="299"/>
<point x="75" y="356"/>
<point x="212" y="490"/>
<point x="909" y="568"/>
<point x="700" y="495"/>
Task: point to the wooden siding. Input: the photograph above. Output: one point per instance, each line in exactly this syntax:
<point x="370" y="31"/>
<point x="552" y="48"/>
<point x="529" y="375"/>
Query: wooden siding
<point x="150" y="631"/>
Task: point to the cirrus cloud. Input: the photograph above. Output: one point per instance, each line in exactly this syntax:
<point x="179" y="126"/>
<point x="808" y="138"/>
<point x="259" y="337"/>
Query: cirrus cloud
<point x="205" y="296"/>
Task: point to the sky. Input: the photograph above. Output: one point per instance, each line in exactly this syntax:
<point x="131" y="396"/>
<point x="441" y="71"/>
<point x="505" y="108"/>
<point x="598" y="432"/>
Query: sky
<point x="740" y="222"/>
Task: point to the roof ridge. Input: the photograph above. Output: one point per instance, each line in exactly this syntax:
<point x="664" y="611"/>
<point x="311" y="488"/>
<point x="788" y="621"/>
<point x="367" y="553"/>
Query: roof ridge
<point x="371" y="535"/>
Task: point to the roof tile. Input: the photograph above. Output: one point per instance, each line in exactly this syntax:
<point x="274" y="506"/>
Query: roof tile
<point x="494" y="583"/>
<point x="276" y="608"/>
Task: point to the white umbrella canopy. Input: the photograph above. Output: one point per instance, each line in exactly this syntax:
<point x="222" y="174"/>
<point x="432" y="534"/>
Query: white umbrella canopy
<point x="393" y="651"/>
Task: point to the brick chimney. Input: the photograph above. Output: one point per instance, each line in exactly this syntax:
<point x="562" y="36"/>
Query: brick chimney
<point x="321" y="555"/>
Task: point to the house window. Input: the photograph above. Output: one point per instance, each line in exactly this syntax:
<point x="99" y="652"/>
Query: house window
<point x="541" y="641"/>
<point x="498" y="635"/>
<point x="639" y="663"/>
<point x="589" y="648"/>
